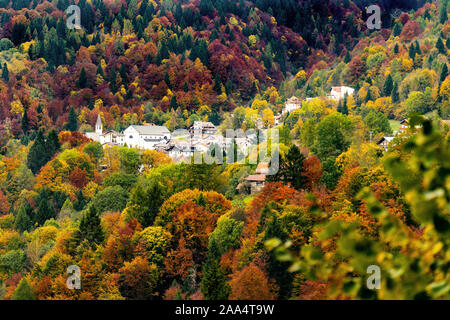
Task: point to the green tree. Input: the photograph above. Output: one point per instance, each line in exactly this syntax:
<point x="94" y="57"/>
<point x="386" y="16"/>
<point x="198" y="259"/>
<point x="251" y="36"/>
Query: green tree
<point x="22" y="220"/>
<point x="397" y="29"/>
<point x="82" y="80"/>
<point x="37" y="156"/>
<point x="388" y="86"/>
<point x="443" y="12"/>
<point x="332" y="137"/>
<point x="45" y="211"/>
<point x="90" y="228"/>
<point x="394" y="94"/>
<point x="5" y="72"/>
<point x="23" y="291"/>
<point x="444" y="72"/>
<point x="214" y="284"/>
<point x="145" y="203"/>
<point x="110" y="199"/>
<point x="291" y="168"/>
<point x="72" y="122"/>
<point x="440" y="46"/>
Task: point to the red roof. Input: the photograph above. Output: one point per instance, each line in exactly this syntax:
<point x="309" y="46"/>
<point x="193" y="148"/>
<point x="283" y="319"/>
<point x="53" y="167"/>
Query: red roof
<point x="256" y="178"/>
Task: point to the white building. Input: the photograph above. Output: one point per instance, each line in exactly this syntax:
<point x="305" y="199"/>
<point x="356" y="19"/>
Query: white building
<point x="111" y="137"/>
<point x="338" y="93"/>
<point x="292" y="104"/>
<point x="96" y="135"/>
<point x="200" y="130"/>
<point x="146" y="137"/>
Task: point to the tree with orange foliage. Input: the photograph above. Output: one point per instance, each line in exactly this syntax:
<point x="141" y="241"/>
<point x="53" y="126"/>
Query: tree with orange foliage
<point x="4" y="204"/>
<point x="138" y="279"/>
<point x="250" y="283"/>
<point x="312" y="171"/>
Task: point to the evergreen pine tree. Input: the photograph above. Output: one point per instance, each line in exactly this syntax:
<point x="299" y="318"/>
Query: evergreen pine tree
<point x="347" y="58"/>
<point x="444" y="72"/>
<point x="396" y="48"/>
<point x="217" y="84"/>
<point x="440" y="46"/>
<point x="214" y="284"/>
<point x="369" y="95"/>
<point x="82" y="80"/>
<point x="388" y="86"/>
<point x="173" y="102"/>
<point x="23" y="291"/>
<point x="395" y="96"/>
<point x="90" y="227"/>
<point x="53" y="144"/>
<point x="5" y="72"/>
<point x="412" y="51"/>
<point x="443" y="12"/>
<point x="37" y="156"/>
<point x="25" y="122"/>
<point x="291" y="168"/>
<point x="344" y="106"/>
<point x="72" y="122"/>
<point x="22" y="221"/>
<point x="397" y="29"/>
<point x="80" y="202"/>
<point x="45" y="211"/>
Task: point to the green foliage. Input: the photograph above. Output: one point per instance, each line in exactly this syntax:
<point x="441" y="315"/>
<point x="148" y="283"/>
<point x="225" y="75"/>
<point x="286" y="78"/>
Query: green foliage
<point x="227" y="234"/>
<point x="72" y="123"/>
<point x="332" y="135"/>
<point x="90" y="228"/>
<point x="145" y="202"/>
<point x="378" y="122"/>
<point x="22" y="220"/>
<point x="291" y="168"/>
<point x="13" y="261"/>
<point x="23" y="291"/>
<point x="111" y="199"/>
<point x="45" y="211"/>
<point x="214" y="285"/>
<point x="126" y="181"/>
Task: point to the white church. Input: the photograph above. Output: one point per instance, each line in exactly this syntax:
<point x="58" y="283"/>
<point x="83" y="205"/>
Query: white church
<point x="142" y="137"/>
<point x="146" y="137"/>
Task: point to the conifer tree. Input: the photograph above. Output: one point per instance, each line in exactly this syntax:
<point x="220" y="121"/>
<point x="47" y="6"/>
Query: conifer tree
<point x="347" y="58"/>
<point x="214" y="284"/>
<point x="395" y="96"/>
<point x="444" y="72"/>
<point x="45" y="211"/>
<point x="82" y="80"/>
<point x="24" y="291"/>
<point x="397" y="29"/>
<point x="5" y="72"/>
<point x="72" y="122"/>
<point x="291" y="168"/>
<point x="90" y="227"/>
<point x="440" y="46"/>
<point x="388" y="86"/>
<point x="37" y="156"/>
<point x="22" y="221"/>
<point x="443" y="12"/>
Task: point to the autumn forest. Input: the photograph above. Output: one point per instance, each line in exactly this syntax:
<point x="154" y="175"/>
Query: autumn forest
<point x="363" y="122"/>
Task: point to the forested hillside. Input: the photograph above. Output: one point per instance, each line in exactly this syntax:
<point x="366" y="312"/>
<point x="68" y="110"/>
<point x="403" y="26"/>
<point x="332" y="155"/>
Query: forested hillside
<point x="140" y="226"/>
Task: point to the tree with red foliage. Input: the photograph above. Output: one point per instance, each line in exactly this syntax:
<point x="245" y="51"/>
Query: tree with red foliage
<point x="411" y="30"/>
<point x="78" y="178"/>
